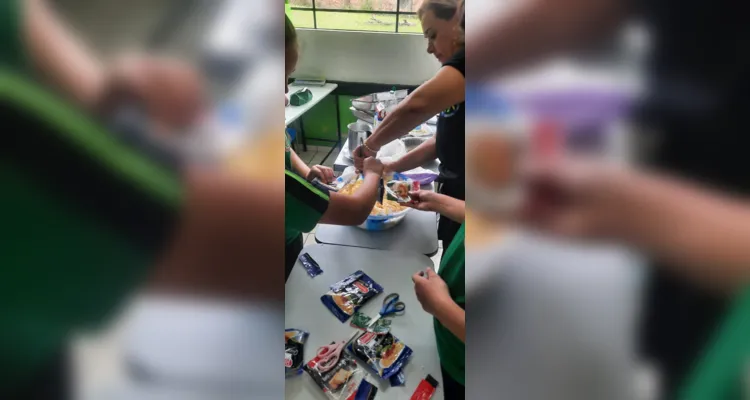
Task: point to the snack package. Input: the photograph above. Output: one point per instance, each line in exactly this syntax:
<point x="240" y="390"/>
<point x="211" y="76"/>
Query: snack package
<point x="399" y="379"/>
<point x="422" y="175"/>
<point x="398" y="191"/>
<point x="294" y="344"/>
<point x="342" y="381"/>
<point x="384" y="354"/>
<point x="366" y="391"/>
<point x="363" y="322"/>
<point x="349" y="294"/>
<point x="311" y="266"/>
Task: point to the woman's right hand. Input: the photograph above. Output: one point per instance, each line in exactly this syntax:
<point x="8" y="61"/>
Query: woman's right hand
<point x="361" y="153"/>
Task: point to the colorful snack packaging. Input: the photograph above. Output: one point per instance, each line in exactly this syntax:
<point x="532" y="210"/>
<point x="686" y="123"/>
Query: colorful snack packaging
<point x="398" y="379"/>
<point x="294" y="344"/>
<point x="340" y="382"/>
<point x="399" y="190"/>
<point x="384" y="354"/>
<point x="426" y="389"/>
<point x="311" y="266"/>
<point x="349" y="294"/>
<point x="363" y="321"/>
<point x="366" y="391"/>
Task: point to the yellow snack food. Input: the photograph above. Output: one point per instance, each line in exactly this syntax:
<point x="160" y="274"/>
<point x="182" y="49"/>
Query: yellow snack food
<point x="388" y="207"/>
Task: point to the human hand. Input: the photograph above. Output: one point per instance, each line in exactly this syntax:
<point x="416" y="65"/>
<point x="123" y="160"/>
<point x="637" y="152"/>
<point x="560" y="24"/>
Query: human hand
<point x="432" y="291"/>
<point x="361" y="153"/>
<point x="325" y="174"/>
<point x="172" y="92"/>
<point x="574" y="198"/>
<point x="424" y="200"/>
<point x="372" y="165"/>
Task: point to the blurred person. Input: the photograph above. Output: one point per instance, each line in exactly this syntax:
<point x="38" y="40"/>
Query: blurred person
<point x="692" y="115"/>
<point x="202" y="230"/>
<point x="306" y="205"/>
<point x="442" y="23"/>
<point x="703" y="235"/>
<point x="443" y="294"/>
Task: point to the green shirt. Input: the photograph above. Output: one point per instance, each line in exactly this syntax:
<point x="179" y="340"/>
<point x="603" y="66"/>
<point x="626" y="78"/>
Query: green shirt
<point x="12" y="54"/>
<point x="724" y="371"/>
<point x="83" y="216"/>
<point x="450" y="348"/>
<point x="304" y="203"/>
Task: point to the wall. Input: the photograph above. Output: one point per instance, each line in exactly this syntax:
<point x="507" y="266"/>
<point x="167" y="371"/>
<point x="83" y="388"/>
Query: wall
<point x="387" y="58"/>
<point x="363" y="57"/>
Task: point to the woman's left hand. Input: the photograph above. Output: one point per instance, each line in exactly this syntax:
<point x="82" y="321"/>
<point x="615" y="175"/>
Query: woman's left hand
<point x="325" y="174"/>
<point x="432" y="291"/>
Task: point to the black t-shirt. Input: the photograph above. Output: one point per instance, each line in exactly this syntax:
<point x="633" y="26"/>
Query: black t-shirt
<point x="451" y="131"/>
<point x="698" y="74"/>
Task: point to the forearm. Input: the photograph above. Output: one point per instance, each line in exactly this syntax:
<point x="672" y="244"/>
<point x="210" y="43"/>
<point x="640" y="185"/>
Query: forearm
<point x="452" y="208"/>
<point x="408" y="115"/>
<point x="423" y="154"/>
<point x="217" y="241"/>
<point x="61" y="57"/>
<point x="453" y="317"/>
<point x="538" y="29"/>
<point x="355" y="208"/>
<point x="298" y="165"/>
<point x="706" y="235"/>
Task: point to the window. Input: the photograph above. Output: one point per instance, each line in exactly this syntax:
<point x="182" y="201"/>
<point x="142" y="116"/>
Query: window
<point x="357" y="15"/>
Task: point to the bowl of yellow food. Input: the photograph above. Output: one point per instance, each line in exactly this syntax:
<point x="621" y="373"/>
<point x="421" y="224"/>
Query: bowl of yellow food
<point x="383" y="216"/>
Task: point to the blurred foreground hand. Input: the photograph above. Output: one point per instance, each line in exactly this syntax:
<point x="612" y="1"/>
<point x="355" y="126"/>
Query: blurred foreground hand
<point x="172" y="92"/>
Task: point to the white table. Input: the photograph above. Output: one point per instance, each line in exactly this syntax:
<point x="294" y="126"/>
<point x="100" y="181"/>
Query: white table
<point x="204" y="345"/>
<point x="416" y="233"/>
<point x="392" y="270"/>
<point x="292" y="113"/>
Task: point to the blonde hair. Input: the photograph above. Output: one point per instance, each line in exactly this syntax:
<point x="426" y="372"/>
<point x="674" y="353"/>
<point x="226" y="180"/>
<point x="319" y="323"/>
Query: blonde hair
<point x="443" y="9"/>
<point x="446" y="10"/>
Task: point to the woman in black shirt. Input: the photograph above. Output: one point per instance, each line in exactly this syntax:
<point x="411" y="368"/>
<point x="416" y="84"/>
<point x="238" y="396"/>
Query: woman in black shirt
<point x="442" y="23"/>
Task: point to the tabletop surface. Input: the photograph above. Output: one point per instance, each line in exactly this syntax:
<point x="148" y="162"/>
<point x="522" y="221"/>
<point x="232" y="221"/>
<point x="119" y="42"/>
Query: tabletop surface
<point x="416" y="233"/>
<point x="393" y="271"/>
<point x="342" y="162"/>
<point x="291" y="113"/>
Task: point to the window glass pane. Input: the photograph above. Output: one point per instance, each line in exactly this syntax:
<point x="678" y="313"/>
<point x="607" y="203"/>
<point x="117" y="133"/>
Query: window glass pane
<point x="410" y="5"/>
<point x="356" y="21"/>
<point x="409" y="24"/>
<point x="364" y="5"/>
<point x="302" y="19"/>
<point x="300" y="3"/>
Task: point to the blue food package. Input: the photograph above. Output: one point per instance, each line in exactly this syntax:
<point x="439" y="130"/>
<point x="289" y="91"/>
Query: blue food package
<point x="398" y="379"/>
<point x="348" y="295"/>
<point x="294" y="344"/>
<point x="366" y="391"/>
<point x="385" y="354"/>
<point x="311" y="266"/>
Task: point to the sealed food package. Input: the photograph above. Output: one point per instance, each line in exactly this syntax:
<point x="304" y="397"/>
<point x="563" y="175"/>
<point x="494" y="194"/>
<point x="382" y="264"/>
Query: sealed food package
<point x="338" y="377"/>
<point x="349" y="294"/>
<point x="398" y="190"/>
<point x="364" y="322"/>
<point x="366" y="391"/>
<point x="422" y="175"/>
<point x="294" y="344"/>
<point x="311" y="266"/>
<point x="384" y="354"/>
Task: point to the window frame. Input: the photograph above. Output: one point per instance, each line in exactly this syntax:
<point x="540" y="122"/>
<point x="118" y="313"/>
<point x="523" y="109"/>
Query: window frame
<point x="315" y="10"/>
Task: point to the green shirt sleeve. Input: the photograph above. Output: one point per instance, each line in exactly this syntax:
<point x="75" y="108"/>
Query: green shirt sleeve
<point x="304" y="205"/>
<point x="12" y="54"/>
